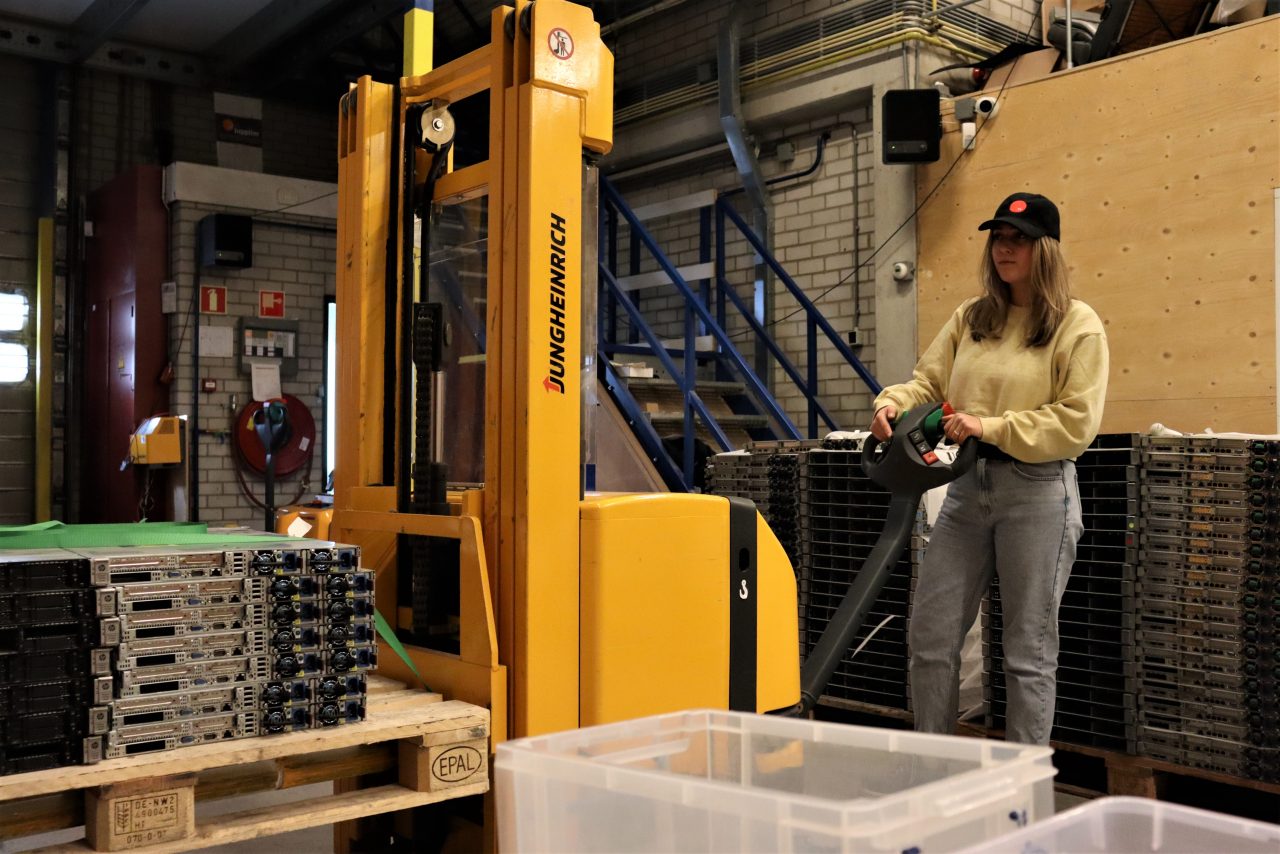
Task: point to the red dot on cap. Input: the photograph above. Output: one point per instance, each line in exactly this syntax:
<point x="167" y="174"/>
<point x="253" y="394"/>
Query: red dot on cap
<point x="1018" y="207"/>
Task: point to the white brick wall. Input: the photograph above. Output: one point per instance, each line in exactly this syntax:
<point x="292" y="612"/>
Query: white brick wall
<point x="298" y="261"/>
<point x="1022" y="15"/>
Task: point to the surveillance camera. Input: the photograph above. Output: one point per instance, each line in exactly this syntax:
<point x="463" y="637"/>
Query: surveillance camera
<point x="903" y="271"/>
<point x="986" y="106"/>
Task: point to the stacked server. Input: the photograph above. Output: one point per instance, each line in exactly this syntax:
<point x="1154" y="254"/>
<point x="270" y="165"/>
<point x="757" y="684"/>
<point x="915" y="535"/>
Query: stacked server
<point x="228" y="644"/>
<point x="54" y="673"/>
<point x="741" y="474"/>
<point x="1208" y="661"/>
<point x="194" y="645"/>
<point x="842" y="514"/>
<point x="1095" y="695"/>
<point x="189" y="647"/>
<point x="321" y="637"/>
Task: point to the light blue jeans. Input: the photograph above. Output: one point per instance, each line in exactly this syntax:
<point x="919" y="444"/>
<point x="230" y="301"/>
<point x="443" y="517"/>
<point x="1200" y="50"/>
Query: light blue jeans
<point x="1020" y="521"/>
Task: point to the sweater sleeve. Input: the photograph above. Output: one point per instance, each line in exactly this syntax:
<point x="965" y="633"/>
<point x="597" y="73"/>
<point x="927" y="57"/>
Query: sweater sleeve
<point x="1064" y="427"/>
<point x="932" y="374"/>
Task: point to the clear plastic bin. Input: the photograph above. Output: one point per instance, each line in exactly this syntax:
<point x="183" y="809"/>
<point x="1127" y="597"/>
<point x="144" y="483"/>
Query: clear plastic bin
<point x="728" y="781"/>
<point x="1137" y="824"/>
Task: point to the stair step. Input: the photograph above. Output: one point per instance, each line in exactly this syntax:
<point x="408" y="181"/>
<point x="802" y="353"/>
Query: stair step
<point x="723" y="387"/>
<point x="658" y="278"/>
<point x="701" y="344"/>
<point x="744" y="421"/>
<point x="691" y="202"/>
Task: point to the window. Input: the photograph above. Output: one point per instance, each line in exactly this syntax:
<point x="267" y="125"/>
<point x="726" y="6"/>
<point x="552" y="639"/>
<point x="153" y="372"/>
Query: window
<point x="330" y="387"/>
<point x="15" y="354"/>
<point x="13" y="312"/>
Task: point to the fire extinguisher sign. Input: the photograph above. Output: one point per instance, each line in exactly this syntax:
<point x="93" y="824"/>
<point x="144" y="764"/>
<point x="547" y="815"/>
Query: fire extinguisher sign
<point x="270" y="303"/>
<point x="213" y="299"/>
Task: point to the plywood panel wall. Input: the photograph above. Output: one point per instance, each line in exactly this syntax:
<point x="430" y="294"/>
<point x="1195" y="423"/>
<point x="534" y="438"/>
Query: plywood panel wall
<point x="1163" y="164"/>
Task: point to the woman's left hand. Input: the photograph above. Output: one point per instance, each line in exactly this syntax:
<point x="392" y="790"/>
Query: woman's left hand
<point x="961" y="426"/>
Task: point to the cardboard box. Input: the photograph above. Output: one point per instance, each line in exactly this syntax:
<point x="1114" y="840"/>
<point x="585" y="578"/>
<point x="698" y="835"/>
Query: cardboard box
<point x="1028" y="67"/>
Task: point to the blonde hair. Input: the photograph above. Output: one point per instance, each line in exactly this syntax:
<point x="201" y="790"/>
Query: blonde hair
<point x="1050" y="295"/>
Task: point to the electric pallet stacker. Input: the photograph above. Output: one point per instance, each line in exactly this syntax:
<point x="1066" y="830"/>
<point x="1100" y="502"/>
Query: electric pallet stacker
<point x="554" y="608"/>
<point x="466" y="312"/>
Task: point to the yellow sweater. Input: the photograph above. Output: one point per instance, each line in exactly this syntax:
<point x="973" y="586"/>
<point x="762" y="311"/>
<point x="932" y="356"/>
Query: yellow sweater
<point x="1036" y="403"/>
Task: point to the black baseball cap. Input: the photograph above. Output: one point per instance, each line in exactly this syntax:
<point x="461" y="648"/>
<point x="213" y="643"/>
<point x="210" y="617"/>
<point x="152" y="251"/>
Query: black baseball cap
<point x="1030" y="213"/>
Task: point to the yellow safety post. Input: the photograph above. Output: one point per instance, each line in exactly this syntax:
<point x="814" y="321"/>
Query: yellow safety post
<point x="419" y="34"/>
<point x="43" y="510"/>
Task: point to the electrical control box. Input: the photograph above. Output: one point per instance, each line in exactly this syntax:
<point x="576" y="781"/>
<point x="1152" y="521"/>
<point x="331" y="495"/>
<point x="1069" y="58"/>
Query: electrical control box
<point x="270" y="341"/>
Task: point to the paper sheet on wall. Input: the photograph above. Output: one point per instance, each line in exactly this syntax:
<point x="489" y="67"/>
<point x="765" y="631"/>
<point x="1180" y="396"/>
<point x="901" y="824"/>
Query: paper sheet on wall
<point x="216" y="342"/>
<point x="266" y="380"/>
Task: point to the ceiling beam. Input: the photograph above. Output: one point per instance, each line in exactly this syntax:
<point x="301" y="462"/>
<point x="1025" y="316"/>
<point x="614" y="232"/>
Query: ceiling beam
<point x="56" y="44"/>
<point x="321" y="42"/>
<point x="101" y="21"/>
<point x="271" y="25"/>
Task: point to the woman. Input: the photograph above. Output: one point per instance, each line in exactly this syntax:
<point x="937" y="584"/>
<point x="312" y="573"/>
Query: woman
<point x="1025" y="367"/>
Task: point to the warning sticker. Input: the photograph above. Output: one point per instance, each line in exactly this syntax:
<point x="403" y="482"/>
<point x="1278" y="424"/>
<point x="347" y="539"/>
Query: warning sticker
<point x="560" y="43"/>
<point x="152" y="812"/>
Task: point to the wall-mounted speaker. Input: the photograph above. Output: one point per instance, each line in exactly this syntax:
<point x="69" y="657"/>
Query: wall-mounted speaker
<point x="911" y="121"/>
<point x="226" y="240"/>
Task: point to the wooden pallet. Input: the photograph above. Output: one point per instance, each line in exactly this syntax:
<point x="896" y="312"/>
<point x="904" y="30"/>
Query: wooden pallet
<point x="1136" y="776"/>
<point x="146" y="803"/>
<point x="1126" y="774"/>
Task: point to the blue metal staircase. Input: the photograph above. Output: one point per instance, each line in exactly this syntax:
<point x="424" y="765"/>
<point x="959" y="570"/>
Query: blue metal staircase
<point x="713" y="395"/>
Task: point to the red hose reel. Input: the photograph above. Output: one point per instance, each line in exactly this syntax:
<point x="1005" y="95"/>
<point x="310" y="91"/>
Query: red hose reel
<point x="297" y="450"/>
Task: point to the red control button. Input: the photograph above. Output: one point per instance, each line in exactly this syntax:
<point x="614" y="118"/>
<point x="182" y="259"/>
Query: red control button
<point x="930" y="458"/>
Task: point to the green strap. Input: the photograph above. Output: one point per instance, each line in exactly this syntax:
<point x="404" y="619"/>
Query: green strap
<point x="38" y="526"/>
<point x="57" y="535"/>
<point x="388" y="634"/>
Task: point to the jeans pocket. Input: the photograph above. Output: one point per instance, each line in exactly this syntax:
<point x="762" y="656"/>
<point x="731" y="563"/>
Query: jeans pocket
<point x="1038" y="471"/>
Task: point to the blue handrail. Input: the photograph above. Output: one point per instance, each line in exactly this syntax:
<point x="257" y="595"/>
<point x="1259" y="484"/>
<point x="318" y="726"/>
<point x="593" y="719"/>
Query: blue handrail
<point x="730" y="352"/>
<point x="727" y="289"/>
<point x="699" y="318"/>
<point x="814" y="316"/>
<point x="685" y="382"/>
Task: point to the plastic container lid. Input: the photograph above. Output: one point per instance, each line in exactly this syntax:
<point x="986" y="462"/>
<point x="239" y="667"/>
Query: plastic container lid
<point x="1137" y="824"/>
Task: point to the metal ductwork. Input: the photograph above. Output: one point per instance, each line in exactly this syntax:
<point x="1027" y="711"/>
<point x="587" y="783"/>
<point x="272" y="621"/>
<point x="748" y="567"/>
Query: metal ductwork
<point x="744" y="159"/>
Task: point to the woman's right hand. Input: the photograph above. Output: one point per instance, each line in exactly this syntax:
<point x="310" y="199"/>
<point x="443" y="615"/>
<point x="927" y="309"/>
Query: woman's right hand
<point x="882" y="423"/>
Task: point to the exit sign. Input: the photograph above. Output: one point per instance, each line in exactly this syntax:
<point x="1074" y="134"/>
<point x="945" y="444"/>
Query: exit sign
<point x="213" y="299"/>
<point x="270" y="303"/>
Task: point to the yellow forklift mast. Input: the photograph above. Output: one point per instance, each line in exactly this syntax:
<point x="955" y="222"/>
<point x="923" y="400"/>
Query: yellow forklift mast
<point x="466" y="325"/>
